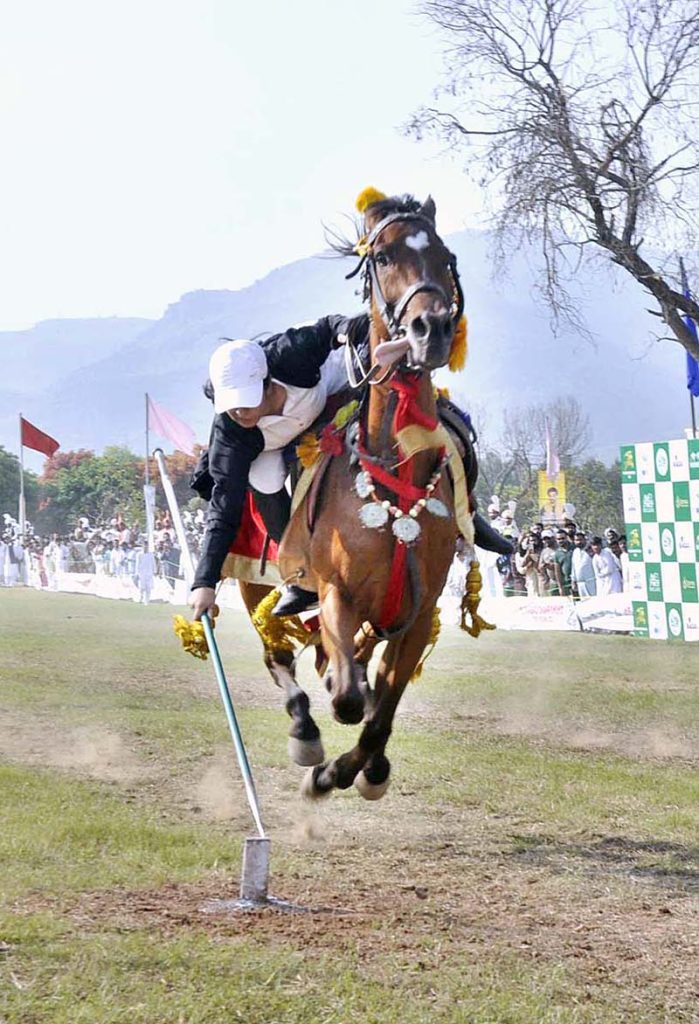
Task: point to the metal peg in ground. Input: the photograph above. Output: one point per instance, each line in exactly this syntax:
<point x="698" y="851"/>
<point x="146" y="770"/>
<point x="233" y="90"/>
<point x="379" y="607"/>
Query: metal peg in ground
<point x="254" y="879"/>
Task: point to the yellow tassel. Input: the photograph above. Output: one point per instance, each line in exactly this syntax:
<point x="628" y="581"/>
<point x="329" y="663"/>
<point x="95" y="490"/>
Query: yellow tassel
<point x="367" y="197"/>
<point x="459" y="346"/>
<point x="441" y="393"/>
<point x="192" y="637"/>
<point x="278" y="634"/>
<point x="431" y="642"/>
<point x="308" y="450"/>
<point x="470" y="602"/>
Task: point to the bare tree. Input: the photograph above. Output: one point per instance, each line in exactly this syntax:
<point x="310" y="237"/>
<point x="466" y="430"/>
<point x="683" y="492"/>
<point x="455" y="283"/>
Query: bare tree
<point x="508" y="468"/>
<point x="568" y="426"/>
<point x="580" y="118"/>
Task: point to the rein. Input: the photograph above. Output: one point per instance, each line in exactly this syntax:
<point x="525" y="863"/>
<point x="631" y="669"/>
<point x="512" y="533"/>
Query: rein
<point x="352" y="358"/>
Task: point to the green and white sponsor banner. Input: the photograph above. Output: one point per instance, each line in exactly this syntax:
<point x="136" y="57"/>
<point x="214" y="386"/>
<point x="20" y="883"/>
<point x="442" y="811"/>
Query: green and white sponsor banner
<point x="660" y="487"/>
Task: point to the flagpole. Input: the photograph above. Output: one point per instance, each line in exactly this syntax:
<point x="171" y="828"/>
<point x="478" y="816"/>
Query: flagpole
<point x="147" y="442"/>
<point x="22" y="511"/>
<point x="689" y="323"/>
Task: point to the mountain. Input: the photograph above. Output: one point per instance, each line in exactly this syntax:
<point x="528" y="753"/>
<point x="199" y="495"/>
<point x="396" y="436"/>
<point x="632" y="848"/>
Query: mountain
<point x="34" y="363"/>
<point x="84" y="381"/>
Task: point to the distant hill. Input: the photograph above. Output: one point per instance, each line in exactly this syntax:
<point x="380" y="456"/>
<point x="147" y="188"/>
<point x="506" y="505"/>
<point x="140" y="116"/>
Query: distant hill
<point x="84" y="381"/>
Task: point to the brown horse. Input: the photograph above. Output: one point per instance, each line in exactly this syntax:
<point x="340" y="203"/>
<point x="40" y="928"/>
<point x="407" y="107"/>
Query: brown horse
<point x="385" y="527"/>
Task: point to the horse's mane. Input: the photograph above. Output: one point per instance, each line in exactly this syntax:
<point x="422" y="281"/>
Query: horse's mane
<point x="340" y="245"/>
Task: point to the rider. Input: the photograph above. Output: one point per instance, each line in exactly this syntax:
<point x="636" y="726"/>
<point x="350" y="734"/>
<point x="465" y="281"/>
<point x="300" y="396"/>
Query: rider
<point x="265" y="395"/>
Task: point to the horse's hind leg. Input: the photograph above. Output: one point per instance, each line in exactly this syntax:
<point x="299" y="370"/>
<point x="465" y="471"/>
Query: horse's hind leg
<point x="305" y="745"/>
<point x="366" y="764"/>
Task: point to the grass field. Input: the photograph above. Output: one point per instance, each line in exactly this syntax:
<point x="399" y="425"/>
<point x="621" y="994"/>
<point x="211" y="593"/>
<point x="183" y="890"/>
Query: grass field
<point x="536" y="860"/>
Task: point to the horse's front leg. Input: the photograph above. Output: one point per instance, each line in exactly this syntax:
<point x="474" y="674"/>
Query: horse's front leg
<point x="366" y="765"/>
<point x="346" y="678"/>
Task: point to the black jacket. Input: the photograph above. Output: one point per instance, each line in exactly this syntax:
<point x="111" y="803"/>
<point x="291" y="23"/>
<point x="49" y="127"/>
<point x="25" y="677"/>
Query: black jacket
<point x="294" y="357"/>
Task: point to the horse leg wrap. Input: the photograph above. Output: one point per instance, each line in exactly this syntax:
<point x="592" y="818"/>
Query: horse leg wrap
<point x="374" y="778"/>
<point x="318" y="782"/>
<point x="304" y="746"/>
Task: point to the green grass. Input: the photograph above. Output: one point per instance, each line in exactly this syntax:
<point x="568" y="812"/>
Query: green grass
<point x="61" y="834"/>
<point x="519" y="836"/>
<point x="201" y="981"/>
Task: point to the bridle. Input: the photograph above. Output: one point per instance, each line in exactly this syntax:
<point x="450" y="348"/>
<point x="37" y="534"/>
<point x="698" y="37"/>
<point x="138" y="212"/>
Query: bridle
<point x="392" y="313"/>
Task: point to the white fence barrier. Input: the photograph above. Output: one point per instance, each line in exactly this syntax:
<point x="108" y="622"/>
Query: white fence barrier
<point x="612" y="614"/>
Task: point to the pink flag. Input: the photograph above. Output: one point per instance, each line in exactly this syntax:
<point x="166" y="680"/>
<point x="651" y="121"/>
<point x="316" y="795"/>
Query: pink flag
<point x="166" y="424"/>
<point x="553" y="463"/>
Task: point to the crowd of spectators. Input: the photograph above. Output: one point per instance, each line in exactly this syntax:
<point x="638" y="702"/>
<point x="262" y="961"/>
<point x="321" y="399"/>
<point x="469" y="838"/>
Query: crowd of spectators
<point x="113" y="548"/>
<point x="555" y="559"/>
<point x="548" y="560"/>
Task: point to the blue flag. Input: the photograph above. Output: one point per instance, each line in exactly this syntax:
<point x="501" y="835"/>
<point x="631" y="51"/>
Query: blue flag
<point x="692" y="364"/>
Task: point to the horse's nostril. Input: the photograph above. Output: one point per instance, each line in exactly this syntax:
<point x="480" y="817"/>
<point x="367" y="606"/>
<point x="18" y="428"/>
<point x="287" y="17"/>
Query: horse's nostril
<point x="419" y="327"/>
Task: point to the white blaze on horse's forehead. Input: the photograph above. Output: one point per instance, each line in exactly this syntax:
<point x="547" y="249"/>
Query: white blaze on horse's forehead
<point x="418" y="242"/>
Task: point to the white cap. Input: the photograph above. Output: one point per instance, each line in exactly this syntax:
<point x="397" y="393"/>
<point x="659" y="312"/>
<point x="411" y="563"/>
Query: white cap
<point x="237" y="370"/>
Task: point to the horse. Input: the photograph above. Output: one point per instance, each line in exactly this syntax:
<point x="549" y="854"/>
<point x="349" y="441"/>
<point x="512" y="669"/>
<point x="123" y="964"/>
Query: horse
<point x="385" y="527"/>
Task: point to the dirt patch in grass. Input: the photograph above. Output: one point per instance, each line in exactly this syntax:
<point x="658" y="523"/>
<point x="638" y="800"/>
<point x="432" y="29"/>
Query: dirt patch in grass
<point x="641" y="744"/>
<point x="641" y="941"/>
<point x="92" y="751"/>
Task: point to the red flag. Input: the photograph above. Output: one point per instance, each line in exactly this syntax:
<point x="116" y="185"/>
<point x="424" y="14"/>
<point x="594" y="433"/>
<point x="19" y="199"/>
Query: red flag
<point x="34" y="438"/>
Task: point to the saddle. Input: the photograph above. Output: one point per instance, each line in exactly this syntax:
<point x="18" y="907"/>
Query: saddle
<point x="327" y="439"/>
<point x="254" y="556"/>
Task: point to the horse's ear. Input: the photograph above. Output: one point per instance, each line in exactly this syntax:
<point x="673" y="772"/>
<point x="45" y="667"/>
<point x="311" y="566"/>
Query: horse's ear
<point x="429" y="209"/>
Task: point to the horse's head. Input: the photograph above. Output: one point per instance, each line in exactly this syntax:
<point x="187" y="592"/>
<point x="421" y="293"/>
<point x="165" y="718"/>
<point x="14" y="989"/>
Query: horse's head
<point x="411" y="279"/>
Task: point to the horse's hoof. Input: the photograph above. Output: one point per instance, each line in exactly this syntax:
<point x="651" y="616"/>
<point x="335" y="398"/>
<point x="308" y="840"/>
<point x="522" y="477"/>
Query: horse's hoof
<point x="309" y="785"/>
<point x="349" y="710"/>
<point x="306" y="752"/>
<point x="369" y="790"/>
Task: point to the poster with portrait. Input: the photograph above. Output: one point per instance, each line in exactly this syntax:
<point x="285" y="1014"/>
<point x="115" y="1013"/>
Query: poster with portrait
<point x="552" y="498"/>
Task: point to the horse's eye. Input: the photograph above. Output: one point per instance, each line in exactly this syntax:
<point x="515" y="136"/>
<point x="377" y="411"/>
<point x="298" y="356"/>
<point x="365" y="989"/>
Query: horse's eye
<point x="381" y="259"/>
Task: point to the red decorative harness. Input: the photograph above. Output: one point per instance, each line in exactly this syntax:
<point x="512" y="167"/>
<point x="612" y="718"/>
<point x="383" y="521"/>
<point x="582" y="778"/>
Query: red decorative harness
<point x="407" y="413"/>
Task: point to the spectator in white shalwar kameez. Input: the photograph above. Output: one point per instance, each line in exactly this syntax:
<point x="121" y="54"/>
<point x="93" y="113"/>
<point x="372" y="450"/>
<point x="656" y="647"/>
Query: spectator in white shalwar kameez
<point x="144" y="573"/>
<point x="51" y="558"/>
<point x="582" y="569"/>
<point x="14" y="562"/>
<point x="63" y="559"/>
<point x="607" y="569"/>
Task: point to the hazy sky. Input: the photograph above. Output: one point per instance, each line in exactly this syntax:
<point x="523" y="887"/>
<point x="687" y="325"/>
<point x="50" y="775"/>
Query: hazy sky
<point x="153" y="147"/>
